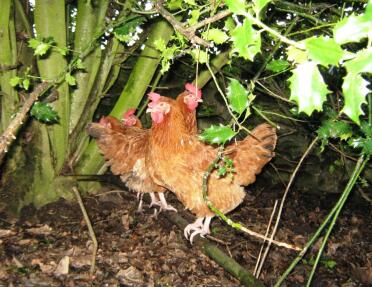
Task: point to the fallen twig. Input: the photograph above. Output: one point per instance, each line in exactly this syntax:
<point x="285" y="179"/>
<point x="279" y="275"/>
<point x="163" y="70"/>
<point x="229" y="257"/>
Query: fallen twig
<point x="90" y="229"/>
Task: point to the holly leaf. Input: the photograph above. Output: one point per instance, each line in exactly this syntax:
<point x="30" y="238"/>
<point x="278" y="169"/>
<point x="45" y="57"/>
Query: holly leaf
<point x="246" y="40"/>
<point x="355" y="91"/>
<point x="216" y="35"/>
<point x="166" y="58"/>
<point x="354" y="28"/>
<point x="238" y="96"/>
<point x="62" y="50"/>
<point x="236" y="6"/>
<point x="362" y="143"/>
<point x="44" y="113"/>
<point x="259" y="5"/>
<point x="15" y="81"/>
<point x="296" y="55"/>
<point x="199" y="56"/>
<point x="362" y="63"/>
<point x="160" y="44"/>
<point x="277" y="66"/>
<point x="334" y="129"/>
<point x="308" y="89"/>
<point x="79" y="64"/>
<point x="174" y="4"/>
<point x="316" y="46"/>
<point x="217" y="134"/>
<point x="70" y="79"/>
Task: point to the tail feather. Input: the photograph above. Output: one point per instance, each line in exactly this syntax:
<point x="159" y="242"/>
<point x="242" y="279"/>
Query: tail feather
<point x="251" y="154"/>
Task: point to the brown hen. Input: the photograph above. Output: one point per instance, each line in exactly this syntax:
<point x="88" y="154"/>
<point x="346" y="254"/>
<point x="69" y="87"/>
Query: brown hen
<point x="177" y="160"/>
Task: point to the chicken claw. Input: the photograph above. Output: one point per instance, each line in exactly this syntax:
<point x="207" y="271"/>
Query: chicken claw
<point x="162" y="203"/>
<point x="198" y="227"/>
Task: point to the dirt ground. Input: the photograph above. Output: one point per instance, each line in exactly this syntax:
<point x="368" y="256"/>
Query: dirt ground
<point x="51" y="246"/>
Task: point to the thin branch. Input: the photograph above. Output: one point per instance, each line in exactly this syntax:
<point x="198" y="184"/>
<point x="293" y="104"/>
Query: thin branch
<point x="9" y="135"/>
<point x="90" y="230"/>
<point x="189" y="32"/>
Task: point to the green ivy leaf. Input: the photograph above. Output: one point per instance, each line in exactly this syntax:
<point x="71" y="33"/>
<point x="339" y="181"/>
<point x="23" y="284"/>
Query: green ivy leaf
<point x="216" y="35"/>
<point x="79" y="64"/>
<point x="15" y="81"/>
<point x="317" y="45"/>
<point x="70" y="79"/>
<point x="160" y="44"/>
<point x="44" y="113"/>
<point x="246" y="40"/>
<point x="62" y="50"/>
<point x="355" y="91"/>
<point x="308" y="88"/>
<point x="236" y="6"/>
<point x="277" y="66"/>
<point x="26" y="83"/>
<point x="195" y="14"/>
<point x="199" y="56"/>
<point x="174" y="4"/>
<point x="238" y="96"/>
<point x="354" y="28"/>
<point x="217" y="134"/>
<point x="122" y="33"/>
<point x="259" y="5"/>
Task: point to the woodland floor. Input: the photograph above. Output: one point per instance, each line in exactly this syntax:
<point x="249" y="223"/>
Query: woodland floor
<point x="139" y="250"/>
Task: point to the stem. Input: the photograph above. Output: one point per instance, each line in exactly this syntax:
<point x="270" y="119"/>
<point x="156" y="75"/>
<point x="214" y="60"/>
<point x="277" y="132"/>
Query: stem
<point x="341" y="200"/>
<point x="273" y="32"/>
<point x="357" y="170"/>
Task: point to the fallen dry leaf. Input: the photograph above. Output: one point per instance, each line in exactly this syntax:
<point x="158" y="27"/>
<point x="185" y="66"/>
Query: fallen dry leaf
<point x="63" y="266"/>
<point x="42" y="230"/>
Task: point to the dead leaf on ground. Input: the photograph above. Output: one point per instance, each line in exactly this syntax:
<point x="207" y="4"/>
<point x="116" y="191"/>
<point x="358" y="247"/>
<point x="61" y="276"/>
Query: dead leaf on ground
<point x="6" y="233"/>
<point x="42" y="230"/>
<point x="63" y="266"/>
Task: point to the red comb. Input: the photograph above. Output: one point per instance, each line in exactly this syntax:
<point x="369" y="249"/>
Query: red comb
<point x="129" y="112"/>
<point x="194" y="90"/>
<point x="154" y="97"/>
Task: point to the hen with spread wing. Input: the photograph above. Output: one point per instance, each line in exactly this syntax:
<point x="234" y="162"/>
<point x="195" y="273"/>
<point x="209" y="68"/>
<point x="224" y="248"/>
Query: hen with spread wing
<point x="177" y="160"/>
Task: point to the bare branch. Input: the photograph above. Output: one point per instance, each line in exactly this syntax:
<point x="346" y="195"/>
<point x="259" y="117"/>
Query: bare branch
<point x="9" y="135"/>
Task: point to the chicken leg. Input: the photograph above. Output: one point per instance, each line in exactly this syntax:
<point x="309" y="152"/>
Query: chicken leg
<point x="200" y="226"/>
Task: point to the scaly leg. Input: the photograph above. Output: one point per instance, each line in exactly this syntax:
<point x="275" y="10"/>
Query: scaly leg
<point x="200" y="226"/>
<point x="164" y="204"/>
<point x="154" y="200"/>
<point x="140" y="198"/>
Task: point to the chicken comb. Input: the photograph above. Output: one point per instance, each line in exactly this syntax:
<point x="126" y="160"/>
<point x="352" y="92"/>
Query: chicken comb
<point x="129" y="112"/>
<point x="193" y="90"/>
<point x="154" y="97"/>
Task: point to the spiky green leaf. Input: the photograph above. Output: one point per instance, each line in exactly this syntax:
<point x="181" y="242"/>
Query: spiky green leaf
<point x="362" y="62"/>
<point x="160" y="44"/>
<point x="216" y="35"/>
<point x="354" y="28"/>
<point x="334" y="129"/>
<point x="277" y="66"/>
<point x="217" y="134"/>
<point x="236" y="6"/>
<point x="296" y="55"/>
<point x="44" y="113"/>
<point x="308" y="88"/>
<point x="246" y="40"/>
<point x="199" y="56"/>
<point x="259" y="5"/>
<point x="355" y="91"/>
<point x="316" y="46"/>
<point x="238" y="96"/>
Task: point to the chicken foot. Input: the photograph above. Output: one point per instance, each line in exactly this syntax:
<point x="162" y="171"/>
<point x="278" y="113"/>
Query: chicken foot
<point x="162" y="203"/>
<point x="200" y="226"/>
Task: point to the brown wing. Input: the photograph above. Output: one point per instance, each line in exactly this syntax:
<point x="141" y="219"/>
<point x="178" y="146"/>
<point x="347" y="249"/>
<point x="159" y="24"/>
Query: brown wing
<point x="251" y="154"/>
<point x="121" y="149"/>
